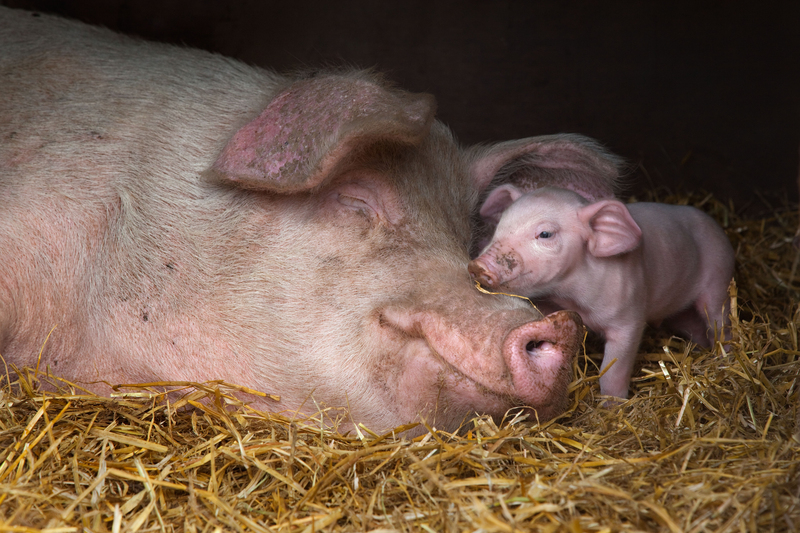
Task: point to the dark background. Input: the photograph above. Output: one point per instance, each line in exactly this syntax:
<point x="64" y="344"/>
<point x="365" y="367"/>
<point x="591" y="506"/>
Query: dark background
<point x="701" y="95"/>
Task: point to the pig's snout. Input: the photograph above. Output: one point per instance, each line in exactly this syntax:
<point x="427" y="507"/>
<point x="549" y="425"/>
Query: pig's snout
<point x="539" y="355"/>
<point x="481" y="273"/>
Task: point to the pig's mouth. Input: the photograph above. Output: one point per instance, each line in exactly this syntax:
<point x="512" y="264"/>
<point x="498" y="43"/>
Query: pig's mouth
<point x="528" y="367"/>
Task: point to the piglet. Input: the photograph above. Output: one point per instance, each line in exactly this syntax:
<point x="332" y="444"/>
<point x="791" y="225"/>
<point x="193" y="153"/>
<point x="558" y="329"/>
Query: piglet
<point x="620" y="267"/>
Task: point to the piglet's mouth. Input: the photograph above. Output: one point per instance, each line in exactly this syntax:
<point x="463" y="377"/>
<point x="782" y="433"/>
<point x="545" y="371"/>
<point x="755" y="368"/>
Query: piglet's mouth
<point x="487" y="291"/>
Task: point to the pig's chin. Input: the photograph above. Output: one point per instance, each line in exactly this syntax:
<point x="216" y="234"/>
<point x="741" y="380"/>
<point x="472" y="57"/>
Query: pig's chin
<point x="432" y="390"/>
<point x="448" y="384"/>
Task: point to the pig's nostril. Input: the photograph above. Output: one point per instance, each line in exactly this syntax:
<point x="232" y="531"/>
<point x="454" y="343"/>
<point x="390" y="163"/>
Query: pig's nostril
<point x="534" y="346"/>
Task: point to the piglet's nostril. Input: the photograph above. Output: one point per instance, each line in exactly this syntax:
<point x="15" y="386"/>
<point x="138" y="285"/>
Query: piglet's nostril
<point x="480" y="273"/>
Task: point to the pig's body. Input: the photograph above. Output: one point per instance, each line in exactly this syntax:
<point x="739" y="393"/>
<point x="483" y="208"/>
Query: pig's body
<point x="619" y="267"/>
<point x="176" y="215"/>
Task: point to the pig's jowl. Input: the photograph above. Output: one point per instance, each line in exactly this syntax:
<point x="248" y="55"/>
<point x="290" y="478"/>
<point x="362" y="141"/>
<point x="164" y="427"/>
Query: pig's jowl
<point x="181" y="216"/>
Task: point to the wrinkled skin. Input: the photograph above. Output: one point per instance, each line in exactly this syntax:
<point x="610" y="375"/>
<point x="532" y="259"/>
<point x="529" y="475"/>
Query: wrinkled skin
<point x="618" y="266"/>
<point x="176" y="215"/>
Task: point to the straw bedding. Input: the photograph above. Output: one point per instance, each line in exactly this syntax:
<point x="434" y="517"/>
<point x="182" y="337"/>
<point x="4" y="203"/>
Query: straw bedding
<point x="708" y="442"/>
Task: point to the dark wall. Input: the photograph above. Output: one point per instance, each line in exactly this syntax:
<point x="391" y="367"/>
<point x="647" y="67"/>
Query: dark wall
<point x="703" y="95"/>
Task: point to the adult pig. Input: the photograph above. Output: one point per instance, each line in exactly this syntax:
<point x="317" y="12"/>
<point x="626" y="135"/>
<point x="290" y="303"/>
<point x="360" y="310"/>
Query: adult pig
<point x="177" y="215"/>
<point x="619" y="266"/>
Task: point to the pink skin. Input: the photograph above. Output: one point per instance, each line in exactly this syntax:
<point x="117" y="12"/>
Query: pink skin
<point x="181" y="217"/>
<point x="620" y="267"/>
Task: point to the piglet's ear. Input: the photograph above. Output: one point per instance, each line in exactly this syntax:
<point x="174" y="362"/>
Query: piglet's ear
<point x="498" y="201"/>
<point x="612" y="230"/>
<point x="312" y="127"/>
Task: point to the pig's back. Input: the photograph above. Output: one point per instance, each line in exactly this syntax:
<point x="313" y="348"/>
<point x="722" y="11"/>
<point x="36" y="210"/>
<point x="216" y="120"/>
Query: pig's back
<point x="103" y="142"/>
<point x="64" y="83"/>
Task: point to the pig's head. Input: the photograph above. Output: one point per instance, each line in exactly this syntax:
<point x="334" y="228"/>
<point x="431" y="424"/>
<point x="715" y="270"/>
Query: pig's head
<point x="544" y="236"/>
<point x="353" y="208"/>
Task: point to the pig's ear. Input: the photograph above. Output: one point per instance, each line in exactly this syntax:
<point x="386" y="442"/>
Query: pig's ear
<point x="611" y="228"/>
<point x="309" y="130"/>
<point x="498" y="201"/>
<point x="567" y="161"/>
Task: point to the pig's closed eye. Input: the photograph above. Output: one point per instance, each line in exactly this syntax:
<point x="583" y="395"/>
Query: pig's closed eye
<point x="357" y="205"/>
<point x="353" y="202"/>
<point x="368" y="200"/>
<point x="544" y="235"/>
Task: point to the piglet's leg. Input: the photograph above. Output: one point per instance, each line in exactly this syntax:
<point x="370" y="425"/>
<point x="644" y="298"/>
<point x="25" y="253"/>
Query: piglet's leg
<point x="691" y="324"/>
<point x="708" y="318"/>
<point x="714" y="307"/>
<point x="621" y="344"/>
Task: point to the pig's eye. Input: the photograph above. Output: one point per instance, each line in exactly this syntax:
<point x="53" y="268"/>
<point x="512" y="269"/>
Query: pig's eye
<point x="350" y="201"/>
<point x="544" y="235"/>
<point x="362" y="207"/>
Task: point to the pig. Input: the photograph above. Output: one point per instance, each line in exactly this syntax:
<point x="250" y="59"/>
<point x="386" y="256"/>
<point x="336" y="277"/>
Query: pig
<point x="167" y="214"/>
<point x="620" y="267"/>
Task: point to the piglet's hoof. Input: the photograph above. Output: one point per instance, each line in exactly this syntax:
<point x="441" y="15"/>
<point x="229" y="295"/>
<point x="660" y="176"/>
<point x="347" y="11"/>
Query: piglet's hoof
<point x="612" y="403"/>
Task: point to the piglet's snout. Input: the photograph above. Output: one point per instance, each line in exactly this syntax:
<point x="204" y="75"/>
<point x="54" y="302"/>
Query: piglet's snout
<point x="496" y="267"/>
<point x="481" y="273"/>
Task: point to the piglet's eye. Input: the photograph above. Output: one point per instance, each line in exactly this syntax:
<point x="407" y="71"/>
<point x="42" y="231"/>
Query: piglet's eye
<point x="545" y="235"/>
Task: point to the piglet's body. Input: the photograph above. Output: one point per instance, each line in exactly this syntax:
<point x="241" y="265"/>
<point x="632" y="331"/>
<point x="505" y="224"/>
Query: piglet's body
<point x="619" y="267"/>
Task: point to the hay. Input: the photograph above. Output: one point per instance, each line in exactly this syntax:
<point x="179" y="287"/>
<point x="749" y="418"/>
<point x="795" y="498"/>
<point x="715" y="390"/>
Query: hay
<point x="709" y="442"/>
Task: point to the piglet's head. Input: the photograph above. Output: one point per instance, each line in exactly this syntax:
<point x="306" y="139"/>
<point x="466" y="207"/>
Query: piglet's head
<point x="545" y="235"/>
